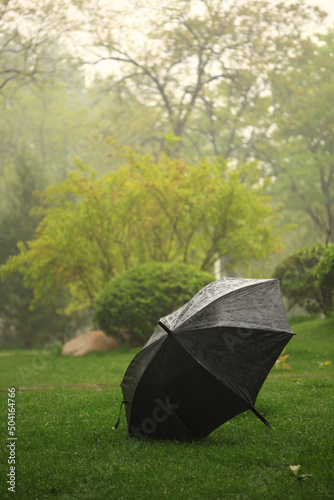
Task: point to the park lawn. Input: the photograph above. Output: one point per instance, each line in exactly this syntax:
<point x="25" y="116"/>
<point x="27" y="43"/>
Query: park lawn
<point x="66" y="447"/>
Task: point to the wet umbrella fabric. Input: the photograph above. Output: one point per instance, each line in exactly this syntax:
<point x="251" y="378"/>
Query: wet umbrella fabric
<point x="206" y="362"/>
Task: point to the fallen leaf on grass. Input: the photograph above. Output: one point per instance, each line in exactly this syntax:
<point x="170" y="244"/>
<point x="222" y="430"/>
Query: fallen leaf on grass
<point x="322" y="364"/>
<point x="294" y="469"/>
<point x="281" y="362"/>
<point x="302" y="477"/>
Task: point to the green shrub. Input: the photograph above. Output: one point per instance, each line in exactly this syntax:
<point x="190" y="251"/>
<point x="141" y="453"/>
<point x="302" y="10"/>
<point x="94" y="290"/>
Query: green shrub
<point x="300" y="284"/>
<point x="325" y="269"/>
<point x="130" y="305"/>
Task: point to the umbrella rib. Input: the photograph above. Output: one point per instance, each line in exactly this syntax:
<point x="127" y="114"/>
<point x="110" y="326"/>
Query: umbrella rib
<point x="219" y="380"/>
<point x="233" y="327"/>
<point x="180" y="421"/>
<point x="253" y="285"/>
<point x="165" y="328"/>
<point x="251" y="407"/>
<point x="261" y="417"/>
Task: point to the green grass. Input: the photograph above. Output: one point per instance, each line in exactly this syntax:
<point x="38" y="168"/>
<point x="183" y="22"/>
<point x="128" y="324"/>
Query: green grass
<point x="66" y="447"/>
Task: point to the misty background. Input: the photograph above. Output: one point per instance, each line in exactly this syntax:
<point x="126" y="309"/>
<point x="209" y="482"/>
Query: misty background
<point x="89" y="86"/>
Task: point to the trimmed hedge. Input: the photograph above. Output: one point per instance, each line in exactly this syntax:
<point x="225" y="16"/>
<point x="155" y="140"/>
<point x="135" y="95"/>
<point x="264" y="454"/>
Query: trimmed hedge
<point x="301" y="284"/>
<point x="130" y="305"/>
<point x="325" y="269"/>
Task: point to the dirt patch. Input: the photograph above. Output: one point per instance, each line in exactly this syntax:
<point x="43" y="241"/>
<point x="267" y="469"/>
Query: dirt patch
<point x="298" y="375"/>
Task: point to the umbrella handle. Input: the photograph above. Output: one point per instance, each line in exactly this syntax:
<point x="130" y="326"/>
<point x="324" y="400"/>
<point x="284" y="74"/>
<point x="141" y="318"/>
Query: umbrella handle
<point x="119" y="416"/>
<point x="261" y="417"/>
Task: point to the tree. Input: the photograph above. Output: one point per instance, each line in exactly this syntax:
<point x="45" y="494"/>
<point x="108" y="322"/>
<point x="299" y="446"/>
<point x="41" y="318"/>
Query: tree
<point x="61" y="120"/>
<point x="18" y="322"/>
<point x="299" y="280"/>
<point x="325" y="269"/>
<point x="130" y="305"/>
<point x="49" y="120"/>
<point x="166" y="211"/>
<point x="29" y="33"/>
<point x="300" y="149"/>
<point x="129" y="122"/>
<point x="203" y="65"/>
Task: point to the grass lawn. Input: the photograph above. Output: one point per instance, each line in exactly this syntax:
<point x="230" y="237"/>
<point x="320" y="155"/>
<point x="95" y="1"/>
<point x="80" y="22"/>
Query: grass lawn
<point x="66" y="447"/>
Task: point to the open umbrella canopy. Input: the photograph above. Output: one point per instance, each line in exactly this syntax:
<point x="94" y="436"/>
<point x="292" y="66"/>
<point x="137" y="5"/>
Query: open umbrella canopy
<point x="206" y="362"/>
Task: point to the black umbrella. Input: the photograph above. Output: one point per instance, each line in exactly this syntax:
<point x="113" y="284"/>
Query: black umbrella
<point x="206" y="362"/>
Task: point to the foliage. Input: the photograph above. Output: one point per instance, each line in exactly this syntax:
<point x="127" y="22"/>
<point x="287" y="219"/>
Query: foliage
<point x="51" y="120"/>
<point x="204" y="67"/>
<point x="131" y="304"/>
<point x="166" y="211"/>
<point x="228" y="52"/>
<point x="191" y="79"/>
<point x="299" y="282"/>
<point x="19" y="324"/>
<point x="325" y="269"/>
<point x="29" y="36"/>
<point x="299" y="149"/>
<point x="324" y="364"/>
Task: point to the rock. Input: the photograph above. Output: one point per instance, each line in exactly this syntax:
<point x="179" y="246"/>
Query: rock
<point x="89" y="342"/>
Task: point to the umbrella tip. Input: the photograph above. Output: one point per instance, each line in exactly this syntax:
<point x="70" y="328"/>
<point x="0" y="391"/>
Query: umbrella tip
<point x="165" y="328"/>
<point x="261" y="417"/>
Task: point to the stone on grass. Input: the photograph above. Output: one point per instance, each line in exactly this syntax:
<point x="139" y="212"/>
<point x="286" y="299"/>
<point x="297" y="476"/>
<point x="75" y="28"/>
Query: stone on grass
<point x="89" y="342"/>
